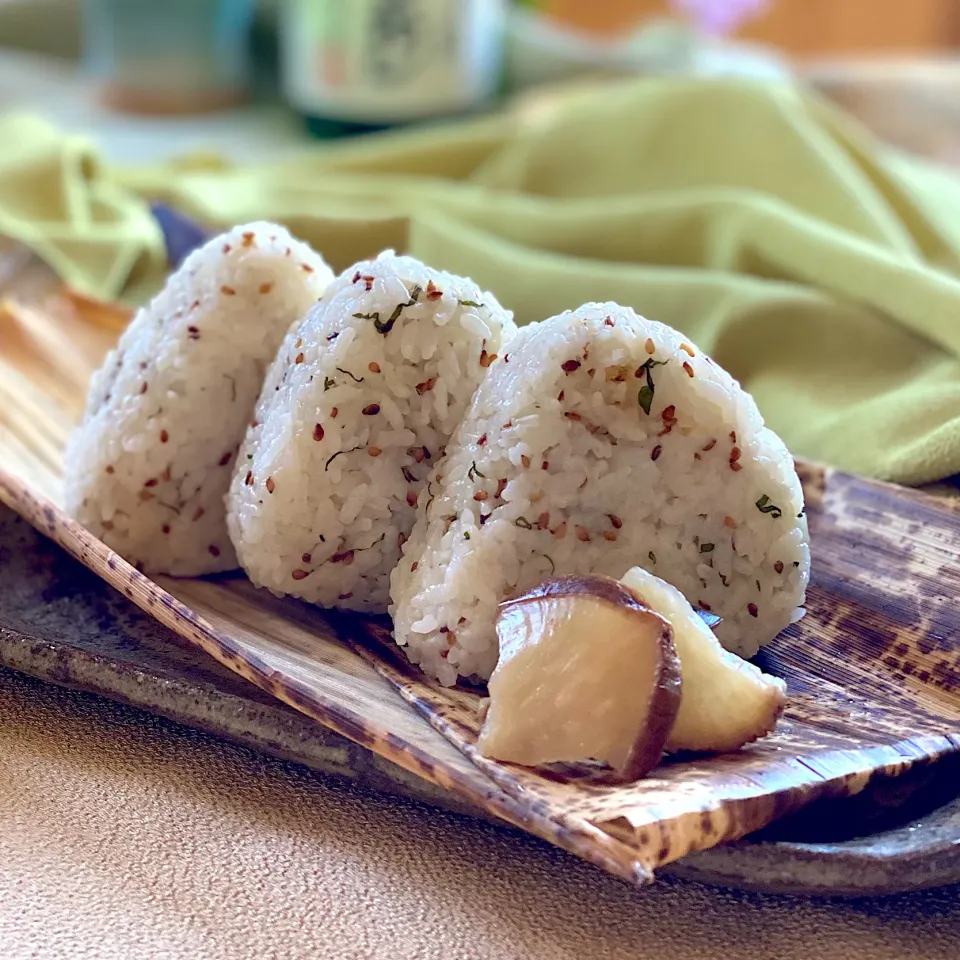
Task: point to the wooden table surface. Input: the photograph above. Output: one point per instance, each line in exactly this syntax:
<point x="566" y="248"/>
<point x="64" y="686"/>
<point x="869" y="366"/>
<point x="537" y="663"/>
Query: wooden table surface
<point x="912" y="104"/>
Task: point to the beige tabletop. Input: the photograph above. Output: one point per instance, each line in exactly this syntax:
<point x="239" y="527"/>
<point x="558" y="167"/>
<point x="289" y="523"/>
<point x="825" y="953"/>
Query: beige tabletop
<point x="123" y="836"/>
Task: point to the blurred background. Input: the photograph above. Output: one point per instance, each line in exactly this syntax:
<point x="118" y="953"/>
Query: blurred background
<point x="251" y="78"/>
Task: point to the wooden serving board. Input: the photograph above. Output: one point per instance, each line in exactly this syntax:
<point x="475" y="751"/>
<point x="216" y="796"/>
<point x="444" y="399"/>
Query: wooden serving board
<point x="873" y="670"/>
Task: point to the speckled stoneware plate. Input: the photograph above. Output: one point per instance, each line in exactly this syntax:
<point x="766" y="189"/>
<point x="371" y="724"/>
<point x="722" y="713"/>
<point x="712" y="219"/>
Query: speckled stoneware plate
<point x="61" y="623"/>
<point x="872" y="671"/>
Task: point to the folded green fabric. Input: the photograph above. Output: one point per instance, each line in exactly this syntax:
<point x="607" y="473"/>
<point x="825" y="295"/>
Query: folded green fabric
<point x="821" y="268"/>
<point x="56" y="199"/>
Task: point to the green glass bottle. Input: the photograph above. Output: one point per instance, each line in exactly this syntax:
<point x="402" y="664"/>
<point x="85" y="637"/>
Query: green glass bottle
<point x="352" y="66"/>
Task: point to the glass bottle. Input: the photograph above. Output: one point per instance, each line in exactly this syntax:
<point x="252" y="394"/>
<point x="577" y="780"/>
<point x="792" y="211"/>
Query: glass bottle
<point x="356" y="65"/>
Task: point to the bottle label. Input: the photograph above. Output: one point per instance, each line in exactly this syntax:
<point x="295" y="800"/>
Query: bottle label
<point x="382" y="61"/>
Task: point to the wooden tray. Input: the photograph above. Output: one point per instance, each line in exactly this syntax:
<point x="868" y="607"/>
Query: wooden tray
<point x="873" y="669"/>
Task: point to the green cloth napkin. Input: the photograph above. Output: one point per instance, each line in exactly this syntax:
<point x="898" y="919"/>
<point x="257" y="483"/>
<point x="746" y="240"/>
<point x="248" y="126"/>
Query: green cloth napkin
<point x="821" y="268"/>
<point x="56" y="198"/>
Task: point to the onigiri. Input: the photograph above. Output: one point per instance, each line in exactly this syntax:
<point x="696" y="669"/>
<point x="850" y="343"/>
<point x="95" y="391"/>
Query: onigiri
<point x="599" y="441"/>
<point x="359" y="404"/>
<point x="148" y="467"/>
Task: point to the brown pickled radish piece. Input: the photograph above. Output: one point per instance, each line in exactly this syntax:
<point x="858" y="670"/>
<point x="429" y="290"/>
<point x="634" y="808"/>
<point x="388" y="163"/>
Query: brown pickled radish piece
<point x="586" y="671"/>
